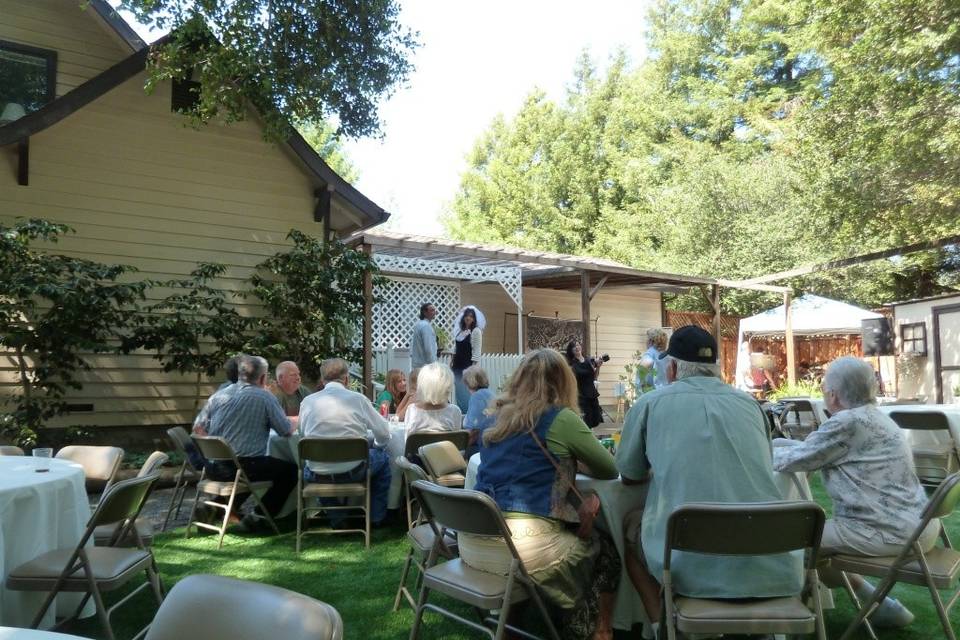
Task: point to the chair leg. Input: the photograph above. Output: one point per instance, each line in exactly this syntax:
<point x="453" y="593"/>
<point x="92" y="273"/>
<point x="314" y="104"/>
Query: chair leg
<point x="403" y="579"/>
<point x="544" y="612"/>
<point x="193" y="509"/>
<point x="266" y="514"/>
<point x="181" y="482"/>
<point x="366" y="511"/>
<point x="505" y="607"/>
<point x="102" y="612"/>
<point x="418" y="614"/>
<point x="299" y="516"/>
<point x="863" y="610"/>
<point x="937" y="600"/>
<point x="226" y="515"/>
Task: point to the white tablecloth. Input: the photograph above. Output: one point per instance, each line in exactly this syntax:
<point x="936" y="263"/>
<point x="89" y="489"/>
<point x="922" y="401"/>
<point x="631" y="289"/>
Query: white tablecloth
<point x="616" y="501"/>
<point x="286" y="449"/>
<point x="39" y="512"/>
<point x="9" y="633"/>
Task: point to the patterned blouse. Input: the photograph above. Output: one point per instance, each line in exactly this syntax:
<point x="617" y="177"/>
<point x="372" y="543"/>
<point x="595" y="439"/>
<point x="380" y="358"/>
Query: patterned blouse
<point x="867" y="468"/>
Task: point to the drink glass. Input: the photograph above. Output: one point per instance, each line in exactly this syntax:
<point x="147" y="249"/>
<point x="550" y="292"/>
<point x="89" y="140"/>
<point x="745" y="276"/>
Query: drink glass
<point x="41" y="458"/>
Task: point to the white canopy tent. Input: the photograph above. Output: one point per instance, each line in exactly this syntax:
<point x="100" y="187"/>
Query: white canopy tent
<point x="809" y="315"/>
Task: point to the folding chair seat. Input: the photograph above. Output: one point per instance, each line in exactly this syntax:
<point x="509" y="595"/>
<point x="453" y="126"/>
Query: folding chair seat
<point x="747" y="529"/>
<point x="421" y="540"/>
<point x="108" y="535"/>
<point x="100" y="464"/>
<point x="180" y="439"/>
<point x="473" y="513"/>
<point x="204" y="606"/>
<point x="94" y="570"/>
<point x="444" y="463"/>
<point x="330" y="451"/>
<point x="217" y="449"/>
<point x="936" y="569"/>
<point x="10" y="450"/>
<point x="411" y="449"/>
<point x="935" y="453"/>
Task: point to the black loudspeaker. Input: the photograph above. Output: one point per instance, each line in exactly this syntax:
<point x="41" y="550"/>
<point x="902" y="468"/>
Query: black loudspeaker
<point x="877" y="334"/>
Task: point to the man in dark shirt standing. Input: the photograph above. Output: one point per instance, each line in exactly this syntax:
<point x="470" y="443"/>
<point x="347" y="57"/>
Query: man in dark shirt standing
<point x="245" y="421"/>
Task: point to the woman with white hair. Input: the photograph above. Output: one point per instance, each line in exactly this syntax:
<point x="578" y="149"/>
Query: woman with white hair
<point x="432" y="411"/>
<point x="867" y="469"/>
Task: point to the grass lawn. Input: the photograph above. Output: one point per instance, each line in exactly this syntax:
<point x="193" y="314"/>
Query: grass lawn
<point x="361" y="584"/>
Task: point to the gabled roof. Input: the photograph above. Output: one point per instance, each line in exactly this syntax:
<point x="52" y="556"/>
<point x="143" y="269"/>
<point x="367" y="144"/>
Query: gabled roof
<point x="359" y="211"/>
<point x="116" y="22"/>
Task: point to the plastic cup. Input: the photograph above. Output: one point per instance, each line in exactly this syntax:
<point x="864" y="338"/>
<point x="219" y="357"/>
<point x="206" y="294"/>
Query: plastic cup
<point x="41" y="459"/>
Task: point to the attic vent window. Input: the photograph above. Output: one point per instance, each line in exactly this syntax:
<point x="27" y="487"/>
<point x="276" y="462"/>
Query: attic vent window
<point x="185" y="95"/>
<point x="28" y="79"/>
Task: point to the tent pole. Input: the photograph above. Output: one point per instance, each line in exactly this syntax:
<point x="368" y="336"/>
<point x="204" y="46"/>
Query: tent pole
<point x="788" y="338"/>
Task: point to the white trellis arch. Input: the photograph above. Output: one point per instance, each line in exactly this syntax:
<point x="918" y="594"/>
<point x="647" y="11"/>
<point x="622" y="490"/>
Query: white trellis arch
<point x="403" y="296"/>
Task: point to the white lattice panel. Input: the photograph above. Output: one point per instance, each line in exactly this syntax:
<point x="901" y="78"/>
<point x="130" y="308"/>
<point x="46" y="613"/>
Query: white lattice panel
<point x="399" y="309"/>
<point x="508" y="277"/>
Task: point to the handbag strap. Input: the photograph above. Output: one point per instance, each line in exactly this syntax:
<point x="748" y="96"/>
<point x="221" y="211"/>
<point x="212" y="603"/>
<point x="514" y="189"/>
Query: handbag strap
<point x="549" y="456"/>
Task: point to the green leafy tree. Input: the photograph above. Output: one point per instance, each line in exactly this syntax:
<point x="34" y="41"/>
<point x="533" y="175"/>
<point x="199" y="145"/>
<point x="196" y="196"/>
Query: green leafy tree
<point x="325" y="141"/>
<point x="293" y="59"/>
<point x="55" y="310"/>
<point x="194" y="329"/>
<point x="312" y="297"/>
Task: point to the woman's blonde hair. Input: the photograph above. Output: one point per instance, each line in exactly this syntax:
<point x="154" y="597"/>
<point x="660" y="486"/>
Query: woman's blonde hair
<point x="475" y="378"/>
<point x="394" y="376"/>
<point x="542" y="379"/>
<point x="658" y="338"/>
<point x="434" y="383"/>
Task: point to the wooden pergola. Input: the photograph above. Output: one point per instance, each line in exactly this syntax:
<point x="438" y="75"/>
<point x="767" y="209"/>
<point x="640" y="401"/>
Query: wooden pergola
<point x="541" y="269"/>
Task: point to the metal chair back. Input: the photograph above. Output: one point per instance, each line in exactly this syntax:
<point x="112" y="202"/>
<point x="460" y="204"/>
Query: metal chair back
<point x="757" y="528"/>
<point x="122" y="501"/>
<point x="215" y="449"/>
<point x="414" y="441"/>
<point x="461" y="510"/>
<point x="100" y="464"/>
<point x="156" y="460"/>
<point x="180" y="439"/>
<point x="331" y="450"/>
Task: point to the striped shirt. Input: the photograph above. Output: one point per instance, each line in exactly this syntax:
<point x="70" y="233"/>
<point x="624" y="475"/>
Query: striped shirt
<point x="245" y="419"/>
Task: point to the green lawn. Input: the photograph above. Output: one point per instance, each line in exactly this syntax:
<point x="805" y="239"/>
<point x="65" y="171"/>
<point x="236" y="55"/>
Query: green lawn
<point x="361" y="584"/>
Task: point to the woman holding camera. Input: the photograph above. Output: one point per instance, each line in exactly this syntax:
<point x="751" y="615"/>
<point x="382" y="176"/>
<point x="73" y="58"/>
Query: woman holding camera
<point x="585" y="370"/>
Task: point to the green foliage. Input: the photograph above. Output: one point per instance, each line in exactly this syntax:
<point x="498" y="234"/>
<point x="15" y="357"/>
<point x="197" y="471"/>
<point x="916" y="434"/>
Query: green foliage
<point x="194" y="329"/>
<point x="760" y="135"/>
<point x="313" y="302"/>
<point x="801" y="389"/>
<point x="293" y="59"/>
<point x="324" y="139"/>
<point x="54" y="311"/>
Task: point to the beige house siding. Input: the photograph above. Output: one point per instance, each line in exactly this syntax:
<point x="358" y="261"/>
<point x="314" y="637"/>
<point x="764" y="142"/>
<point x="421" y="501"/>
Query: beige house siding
<point x="140" y="188"/>
<point x="84" y="47"/>
<point x="624" y="313"/>
<point x="916" y="376"/>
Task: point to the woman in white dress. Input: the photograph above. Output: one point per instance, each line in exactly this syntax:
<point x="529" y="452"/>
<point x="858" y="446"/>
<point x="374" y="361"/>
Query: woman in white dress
<point x="432" y="410"/>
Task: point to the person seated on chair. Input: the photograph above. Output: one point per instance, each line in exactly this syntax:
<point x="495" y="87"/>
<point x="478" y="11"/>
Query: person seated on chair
<point x="410" y="397"/>
<point x="537" y="415"/>
<point x="338" y="412"/>
<point x="867" y="469"/>
<point x="698" y="440"/>
<point x="224" y="392"/>
<point x="431" y="411"/>
<point x="479" y="416"/>
<point x="244" y="420"/>
<point x="289" y="390"/>
<point x="394" y="391"/>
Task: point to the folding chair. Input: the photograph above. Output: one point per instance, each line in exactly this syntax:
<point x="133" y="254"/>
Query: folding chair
<point x="412" y="446"/>
<point x="180" y="439"/>
<point x="801" y="420"/>
<point x="10" y="450"/>
<point x="94" y="570"/>
<point x="444" y="463"/>
<point x="745" y="529"/>
<point x="421" y="539"/>
<point x="333" y="450"/>
<point x="216" y="449"/>
<point x="473" y="513"/>
<point x="203" y="606"/>
<point x="936" y="569"/>
<point x="935" y="455"/>
<point x="100" y="464"/>
<point x="108" y="535"/>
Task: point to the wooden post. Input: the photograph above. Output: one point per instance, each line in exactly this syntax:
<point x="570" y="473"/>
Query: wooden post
<point x="717" y="329"/>
<point x="585" y="311"/>
<point x="368" y="327"/>
<point x="788" y="339"/>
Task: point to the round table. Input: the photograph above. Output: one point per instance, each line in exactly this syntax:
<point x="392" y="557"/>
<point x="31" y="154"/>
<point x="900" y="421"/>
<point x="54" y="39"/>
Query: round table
<point x="39" y="512"/>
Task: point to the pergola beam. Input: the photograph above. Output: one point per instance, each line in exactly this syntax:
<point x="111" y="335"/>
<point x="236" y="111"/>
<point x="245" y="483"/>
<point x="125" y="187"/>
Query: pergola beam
<point x="848" y="262"/>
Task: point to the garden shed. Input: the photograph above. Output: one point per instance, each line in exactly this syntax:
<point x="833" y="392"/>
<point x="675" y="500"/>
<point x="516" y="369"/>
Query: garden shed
<point x="928" y="341"/>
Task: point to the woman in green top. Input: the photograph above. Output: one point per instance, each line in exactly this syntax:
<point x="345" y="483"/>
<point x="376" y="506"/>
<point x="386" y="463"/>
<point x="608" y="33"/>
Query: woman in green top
<point x="577" y="575"/>
<point x="394" y="391"/>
